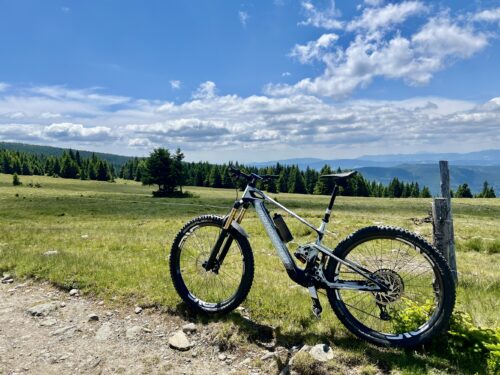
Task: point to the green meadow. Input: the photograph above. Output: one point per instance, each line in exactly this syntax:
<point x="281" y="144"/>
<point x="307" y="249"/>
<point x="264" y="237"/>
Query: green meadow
<point x="113" y="240"/>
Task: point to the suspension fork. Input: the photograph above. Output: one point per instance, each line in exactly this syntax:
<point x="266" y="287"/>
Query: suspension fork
<point x="213" y="263"/>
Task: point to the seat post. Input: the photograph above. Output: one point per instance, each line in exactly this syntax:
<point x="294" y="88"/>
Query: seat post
<point x="328" y="211"/>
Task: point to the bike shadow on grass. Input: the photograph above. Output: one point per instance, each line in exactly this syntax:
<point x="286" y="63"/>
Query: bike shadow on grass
<point x="347" y="348"/>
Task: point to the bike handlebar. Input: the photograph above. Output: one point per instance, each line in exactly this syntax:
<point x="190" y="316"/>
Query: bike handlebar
<point x="252" y="177"/>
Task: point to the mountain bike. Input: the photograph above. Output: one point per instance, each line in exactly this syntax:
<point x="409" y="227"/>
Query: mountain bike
<point x="374" y="279"/>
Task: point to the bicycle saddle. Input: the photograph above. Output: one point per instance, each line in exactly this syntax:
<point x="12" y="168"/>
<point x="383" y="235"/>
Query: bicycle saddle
<point x="339" y="176"/>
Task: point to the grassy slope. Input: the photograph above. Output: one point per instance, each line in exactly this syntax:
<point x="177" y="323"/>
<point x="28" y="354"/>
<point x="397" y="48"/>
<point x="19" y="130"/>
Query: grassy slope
<point x="113" y="241"/>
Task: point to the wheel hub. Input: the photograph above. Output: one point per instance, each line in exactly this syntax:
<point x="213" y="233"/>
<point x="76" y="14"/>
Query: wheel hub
<point x="394" y="284"/>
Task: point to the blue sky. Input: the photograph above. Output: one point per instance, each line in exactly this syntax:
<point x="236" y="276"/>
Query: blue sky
<point x="251" y="80"/>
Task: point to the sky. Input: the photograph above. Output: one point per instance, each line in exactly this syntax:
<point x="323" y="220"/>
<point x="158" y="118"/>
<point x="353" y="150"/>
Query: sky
<point x="251" y="80"/>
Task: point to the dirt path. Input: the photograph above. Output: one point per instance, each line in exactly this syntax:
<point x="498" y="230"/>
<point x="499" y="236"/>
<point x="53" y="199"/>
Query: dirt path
<point x="65" y="339"/>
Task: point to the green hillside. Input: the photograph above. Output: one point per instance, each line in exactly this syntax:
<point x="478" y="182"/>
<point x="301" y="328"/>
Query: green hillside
<point x="116" y="160"/>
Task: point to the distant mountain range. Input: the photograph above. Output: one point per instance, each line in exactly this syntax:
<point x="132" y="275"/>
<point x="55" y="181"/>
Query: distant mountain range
<point x="481" y="158"/>
<point x="472" y="168"/>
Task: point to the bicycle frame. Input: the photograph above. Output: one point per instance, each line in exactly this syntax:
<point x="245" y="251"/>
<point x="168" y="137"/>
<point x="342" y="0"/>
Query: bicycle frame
<point x="257" y="198"/>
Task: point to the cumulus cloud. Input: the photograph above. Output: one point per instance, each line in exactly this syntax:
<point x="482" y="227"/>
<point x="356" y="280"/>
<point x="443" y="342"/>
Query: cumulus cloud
<point x="272" y="127"/>
<point x="205" y="91"/>
<point x="489" y="15"/>
<point x="378" y="49"/>
<point x="3" y="86"/>
<point x="392" y="14"/>
<point x="314" y="49"/>
<point x="67" y="131"/>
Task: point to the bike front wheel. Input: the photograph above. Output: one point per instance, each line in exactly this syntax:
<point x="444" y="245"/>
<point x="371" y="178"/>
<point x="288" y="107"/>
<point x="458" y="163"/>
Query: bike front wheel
<point x="421" y="291"/>
<point x="210" y="292"/>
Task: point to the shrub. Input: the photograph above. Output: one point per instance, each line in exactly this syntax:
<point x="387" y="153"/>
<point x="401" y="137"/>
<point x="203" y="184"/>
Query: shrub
<point x="15" y="180"/>
<point x="465" y="341"/>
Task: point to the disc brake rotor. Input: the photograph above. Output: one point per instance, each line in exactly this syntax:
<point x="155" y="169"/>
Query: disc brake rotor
<point x="394" y="283"/>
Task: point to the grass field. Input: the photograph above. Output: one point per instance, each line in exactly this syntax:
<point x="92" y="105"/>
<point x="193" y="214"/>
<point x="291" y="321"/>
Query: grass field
<point x="113" y="241"/>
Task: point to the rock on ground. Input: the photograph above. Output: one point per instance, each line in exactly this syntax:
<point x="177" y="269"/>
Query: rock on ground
<point x="179" y="341"/>
<point x="51" y="340"/>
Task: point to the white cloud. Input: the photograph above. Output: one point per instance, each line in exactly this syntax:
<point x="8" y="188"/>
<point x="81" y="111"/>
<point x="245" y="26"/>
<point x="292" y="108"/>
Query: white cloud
<point x="205" y="91"/>
<point x="286" y="74"/>
<point x="326" y="19"/>
<point x="272" y="127"/>
<point x="3" y="86"/>
<point x="314" y="49"/>
<point x="175" y="84"/>
<point x="489" y="15"/>
<point x="392" y="14"/>
<point x="377" y="51"/>
<point x="243" y="17"/>
<point x="68" y="131"/>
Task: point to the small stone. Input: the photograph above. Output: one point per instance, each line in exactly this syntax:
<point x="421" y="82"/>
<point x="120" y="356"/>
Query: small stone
<point x="133" y="332"/>
<point x="189" y="328"/>
<point x="321" y="352"/>
<point x="222" y="357"/>
<point x="138" y="310"/>
<point x="267" y="356"/>
<point x="104" y="332"/>
<point x="147" y="330"/>
<point x="93" y="318"/>
<point x="62" y="304"/>
<point x="67" y="331"/>
<point x="42" y="309"/>
<point x="179" y="341"/>
<point x="85" y="236"/>
<point x="49" y="322"/>
<point x="74" y="292"/>
<point x="194" y="354"/>
<point x="100" y="303"/>
<point x="50" y="253"/>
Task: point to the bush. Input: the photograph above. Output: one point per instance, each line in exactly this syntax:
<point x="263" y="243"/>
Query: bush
<point x="465" y="341"/>
<point x="15" y="180"/>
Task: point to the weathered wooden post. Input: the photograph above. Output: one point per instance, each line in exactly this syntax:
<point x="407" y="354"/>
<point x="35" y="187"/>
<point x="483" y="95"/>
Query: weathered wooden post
<point x="444" y="237"/>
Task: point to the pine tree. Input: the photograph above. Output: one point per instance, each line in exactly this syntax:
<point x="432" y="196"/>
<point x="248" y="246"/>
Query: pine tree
<point x="296" y="181"/>
<point x="463" y="191"/>
<point x="215" y="177"/>
<point x="487" y="191"/>
<point x="425" y="193"/>
<point x="324" y="186"/>
<point x="15" y="180"/>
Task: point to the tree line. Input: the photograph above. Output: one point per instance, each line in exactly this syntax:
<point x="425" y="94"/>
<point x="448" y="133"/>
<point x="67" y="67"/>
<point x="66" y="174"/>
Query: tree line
<point x="69" y="165"/>
<point x="291" y="178"/>
<point x="170" y="173"/>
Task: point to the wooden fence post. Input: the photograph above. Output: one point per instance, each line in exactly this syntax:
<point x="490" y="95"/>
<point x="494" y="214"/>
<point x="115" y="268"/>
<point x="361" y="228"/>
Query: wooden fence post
<point x="444" y="237"/>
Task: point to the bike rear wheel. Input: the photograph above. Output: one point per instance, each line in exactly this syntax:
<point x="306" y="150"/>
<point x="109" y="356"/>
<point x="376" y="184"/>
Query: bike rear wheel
<point x="420" y="296"/>
<point x="211" y="291"/>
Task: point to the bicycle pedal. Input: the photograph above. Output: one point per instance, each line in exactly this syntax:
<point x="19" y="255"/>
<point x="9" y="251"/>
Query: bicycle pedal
<point x="317" y="311"/>
<point x="316" y="308"/>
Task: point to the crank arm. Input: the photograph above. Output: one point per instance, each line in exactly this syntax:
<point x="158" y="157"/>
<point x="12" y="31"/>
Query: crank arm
<point x="352" y="285"/>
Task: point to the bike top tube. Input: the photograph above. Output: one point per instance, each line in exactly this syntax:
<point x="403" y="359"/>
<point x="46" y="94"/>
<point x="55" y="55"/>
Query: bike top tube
<point x="249" y="195"/>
